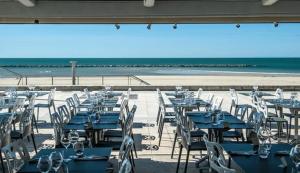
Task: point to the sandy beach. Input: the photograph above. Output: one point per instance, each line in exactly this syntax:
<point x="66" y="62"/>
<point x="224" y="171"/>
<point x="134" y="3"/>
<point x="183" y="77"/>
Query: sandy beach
<point x="214" y="80"/>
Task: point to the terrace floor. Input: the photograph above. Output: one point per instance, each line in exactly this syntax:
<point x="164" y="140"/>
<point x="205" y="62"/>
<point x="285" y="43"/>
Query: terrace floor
<point x="149" y="160"/>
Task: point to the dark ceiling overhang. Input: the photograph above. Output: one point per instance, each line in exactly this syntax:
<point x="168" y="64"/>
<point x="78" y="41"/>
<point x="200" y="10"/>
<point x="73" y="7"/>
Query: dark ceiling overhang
<point x="131" y="11"/>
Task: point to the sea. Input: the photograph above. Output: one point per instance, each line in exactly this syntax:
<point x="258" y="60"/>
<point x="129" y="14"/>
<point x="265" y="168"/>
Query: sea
<point x="10" y="67"/>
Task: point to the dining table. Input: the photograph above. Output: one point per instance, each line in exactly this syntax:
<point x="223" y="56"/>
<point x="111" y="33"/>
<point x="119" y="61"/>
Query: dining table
<point x="95" y="160"/>
<point x="94" y="124"/>
<point x="259" y="94"/>
<point x="247" y="160"/>
<point x="206" y="120"/>
<point x="176" y="94"/>
<point x="188" y="104"/>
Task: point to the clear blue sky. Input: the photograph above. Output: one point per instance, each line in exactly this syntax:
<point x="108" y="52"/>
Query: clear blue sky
<point x="216" y="40"/>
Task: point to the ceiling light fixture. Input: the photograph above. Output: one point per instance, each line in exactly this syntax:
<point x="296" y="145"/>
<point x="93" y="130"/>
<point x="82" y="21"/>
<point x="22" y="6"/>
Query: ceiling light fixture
<point x="149" y="26"/>
<point x="175" y="26"/>
<point x="237" y="25"/>
<point x="117" y="26"/>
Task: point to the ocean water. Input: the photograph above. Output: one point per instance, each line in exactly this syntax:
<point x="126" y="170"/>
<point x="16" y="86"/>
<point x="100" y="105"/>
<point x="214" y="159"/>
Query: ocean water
<point x="148" y="66"/>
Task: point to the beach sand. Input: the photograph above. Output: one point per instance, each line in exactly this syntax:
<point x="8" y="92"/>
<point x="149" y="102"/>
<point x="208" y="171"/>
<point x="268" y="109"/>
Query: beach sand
<point x="213" y="80"/>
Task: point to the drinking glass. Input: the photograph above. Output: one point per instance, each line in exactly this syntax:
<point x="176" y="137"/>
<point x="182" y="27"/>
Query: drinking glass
<point x="56" y="159"/>
<point x="294" y="97"/>
<point x="263" y="151"/>
<point x="79" y="148"/>
<point x="264" y="136"/>
<point x="65" y="141"/>
<point x="44" y="164"/>
<point x="295" y="156"/>
<point x="73" y="137"/>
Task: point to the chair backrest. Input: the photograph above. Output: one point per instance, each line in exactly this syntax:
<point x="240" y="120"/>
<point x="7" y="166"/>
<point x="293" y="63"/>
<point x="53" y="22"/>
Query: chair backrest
<point x="58" y="127"/>
<point x="185" y="136"/>
<point x="18" y="106"/>
<point x="64" y="113"/>
<point x="31" y="102"/>
<point x="125" y="149"/>
<point x="199" y="92"/>
<point x="127" y="130"/>
<point x="5" y="131"/>
<point x="256" y="119"/>
<point x="279" y="93"/>
<point x="25" y="124"/>
<point x="87" y="93"/>
<point x="217" y="103"/>
<point x="12" y="93"/>
<point x="16" y="154"/>
<point x="125" y="167"/>
<point x="76" y="99"/>
<point x="2" y="101"/>
<point x="128" y="93"/>
<point x="209" y="98"/>
<point x="234" y="97"/>
<point x="71" y="105"/>
<point x="216" y="157"/>
<point x="242" y="113"/>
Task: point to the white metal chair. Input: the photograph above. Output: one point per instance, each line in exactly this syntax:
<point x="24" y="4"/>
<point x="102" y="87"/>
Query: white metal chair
<point x="48" y="105"/>
<point x="216" y="157"/>
<point x="16" y="155"/>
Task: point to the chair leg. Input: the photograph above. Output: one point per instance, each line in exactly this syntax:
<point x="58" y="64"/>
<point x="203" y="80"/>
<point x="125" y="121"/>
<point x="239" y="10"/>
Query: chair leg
<point x="2" y="163"/>
<point x="174" y="143"/>
<point x="50" y="115"/>
<point x="131" y="162"/>
<point x="187" y="160"/>
<point x="35" y="123"/>
<point x="158" y="115"/>
<point x="161" y="131"/>
<point x="54" y="108"/>
<point x="179" y="157"/>
<point x="290" y="127"/>
<point x="33" y="141"/>
<point x="287" y="132"/>
<point x="134" y="146"/>
<point x="38" y="114"/>
<point x="131" y="157"/>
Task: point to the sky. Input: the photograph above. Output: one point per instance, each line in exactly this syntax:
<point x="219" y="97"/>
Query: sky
<point x="135" y="41"/>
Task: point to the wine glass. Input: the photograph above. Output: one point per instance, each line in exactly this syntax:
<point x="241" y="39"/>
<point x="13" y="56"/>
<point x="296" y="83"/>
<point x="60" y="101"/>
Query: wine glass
<point x="295" y="156"/>
<point x="73" y="137"/>
<point x="57" y="160"/>
<point x="264" y="136"/>
<point x="44" y="164"/>
<point x="294" y="97"/>
<point x="65" y="141"/>
<point x="79" y="148"/>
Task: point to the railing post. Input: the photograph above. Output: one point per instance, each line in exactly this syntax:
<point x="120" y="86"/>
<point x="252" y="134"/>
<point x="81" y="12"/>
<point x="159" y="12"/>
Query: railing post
<point x="52" y="82"/>
<point x="128" y="80"/>
<point x="102" y="80"/>
<point x="77" y="80"/>
<point x="26" y="80"/>
<point x="73" y="64"/>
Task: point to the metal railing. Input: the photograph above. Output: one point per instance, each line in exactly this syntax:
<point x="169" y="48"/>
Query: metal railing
<point x="80" y="80"/>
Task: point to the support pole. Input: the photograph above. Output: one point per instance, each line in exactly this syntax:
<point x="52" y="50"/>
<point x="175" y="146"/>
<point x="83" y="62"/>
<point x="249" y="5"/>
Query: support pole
<point x="73" y="65"/>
